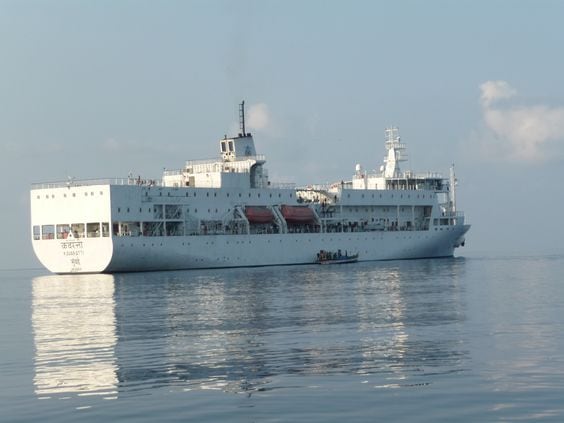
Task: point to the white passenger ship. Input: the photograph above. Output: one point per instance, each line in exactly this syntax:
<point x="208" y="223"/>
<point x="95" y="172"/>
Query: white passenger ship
<point x="226" y="213"/>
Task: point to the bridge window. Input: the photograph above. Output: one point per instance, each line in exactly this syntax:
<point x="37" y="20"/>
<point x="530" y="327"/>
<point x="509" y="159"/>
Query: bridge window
<point x="77" y="230"/>
<point x="63" y="231"/>
<point x="93" y="230"/>
<point x="105" y="229"/>
<point x="48" y="232"/>
<point x="36" y="233"/>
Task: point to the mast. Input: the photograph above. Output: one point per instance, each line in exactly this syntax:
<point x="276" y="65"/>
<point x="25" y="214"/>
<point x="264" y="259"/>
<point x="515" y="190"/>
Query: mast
<point x="452" y="184"/>
<point x="395" y="153"/>
<point x="242" y="118"/>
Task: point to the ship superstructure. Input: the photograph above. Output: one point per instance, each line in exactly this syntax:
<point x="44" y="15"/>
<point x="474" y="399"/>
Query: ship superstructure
<point x="225" y="212"/>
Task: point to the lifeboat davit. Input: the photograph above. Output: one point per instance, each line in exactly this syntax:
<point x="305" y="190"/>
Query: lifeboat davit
<point x="298" y="214"/>
<point x="256" y="214"/>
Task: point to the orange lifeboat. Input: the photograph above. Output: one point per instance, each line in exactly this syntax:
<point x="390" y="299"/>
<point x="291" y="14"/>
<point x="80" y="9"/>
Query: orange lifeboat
<point x="256" y="214"/>
<point x="298" y="214"/>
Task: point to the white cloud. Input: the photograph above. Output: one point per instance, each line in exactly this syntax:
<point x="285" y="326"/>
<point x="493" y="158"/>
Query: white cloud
<point x="496" y="90"/>
<point x="258" y="117"/>
<point x="520" y="132"/>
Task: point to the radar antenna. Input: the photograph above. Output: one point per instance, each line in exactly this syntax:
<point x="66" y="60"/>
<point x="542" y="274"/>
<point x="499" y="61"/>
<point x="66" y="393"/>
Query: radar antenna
<point x="242" y="118"/>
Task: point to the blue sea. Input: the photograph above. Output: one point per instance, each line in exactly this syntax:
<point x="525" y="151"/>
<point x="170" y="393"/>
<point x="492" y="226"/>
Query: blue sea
<point x="461" y="339"/>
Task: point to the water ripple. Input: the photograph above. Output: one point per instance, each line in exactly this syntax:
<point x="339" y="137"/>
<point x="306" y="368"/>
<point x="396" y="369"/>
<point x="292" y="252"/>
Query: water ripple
<point x="234" y="330"/>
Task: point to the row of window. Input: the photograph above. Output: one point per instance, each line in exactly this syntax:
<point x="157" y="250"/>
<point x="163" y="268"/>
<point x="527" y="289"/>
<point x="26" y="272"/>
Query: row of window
<point x="444" y="222"/>
<point x="47" y="196"/>
<point x="72" y="230"/>
<point x="226" y="194"/>
<point x="392" y="196"/>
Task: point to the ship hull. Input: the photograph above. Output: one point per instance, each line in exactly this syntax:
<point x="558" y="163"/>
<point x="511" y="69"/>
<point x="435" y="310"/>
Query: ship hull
<point x="217" y="251"/>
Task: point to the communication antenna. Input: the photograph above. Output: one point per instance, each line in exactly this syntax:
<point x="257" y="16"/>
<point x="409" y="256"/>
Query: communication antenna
<point x="242" y="117"/>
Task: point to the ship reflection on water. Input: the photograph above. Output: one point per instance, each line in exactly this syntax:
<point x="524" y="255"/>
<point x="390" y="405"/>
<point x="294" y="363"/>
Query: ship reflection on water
<point x="74" y="329"/>
<point x="240" y="330"/>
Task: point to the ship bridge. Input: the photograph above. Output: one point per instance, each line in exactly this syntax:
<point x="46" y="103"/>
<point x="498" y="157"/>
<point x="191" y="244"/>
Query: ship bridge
<point x="237" y="167"/>
<point x="391" y="177"/>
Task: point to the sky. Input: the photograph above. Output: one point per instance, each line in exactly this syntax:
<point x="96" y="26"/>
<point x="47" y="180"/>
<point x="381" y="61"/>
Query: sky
<point x="94" y="89"/>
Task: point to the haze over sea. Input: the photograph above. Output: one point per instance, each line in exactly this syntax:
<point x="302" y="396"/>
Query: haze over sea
<point x="460" y="339"/>
<point x="103" y="88"/>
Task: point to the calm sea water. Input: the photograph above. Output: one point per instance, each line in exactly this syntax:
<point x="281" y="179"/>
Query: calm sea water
<point x="475" y="339"/>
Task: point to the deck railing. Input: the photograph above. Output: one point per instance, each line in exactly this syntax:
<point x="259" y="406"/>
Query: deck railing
<point x="101" y="181"/>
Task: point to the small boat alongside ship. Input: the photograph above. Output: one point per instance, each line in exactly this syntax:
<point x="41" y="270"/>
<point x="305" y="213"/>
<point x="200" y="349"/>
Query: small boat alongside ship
<point x="328" y="257"/>
<point x="226" y="212"/>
